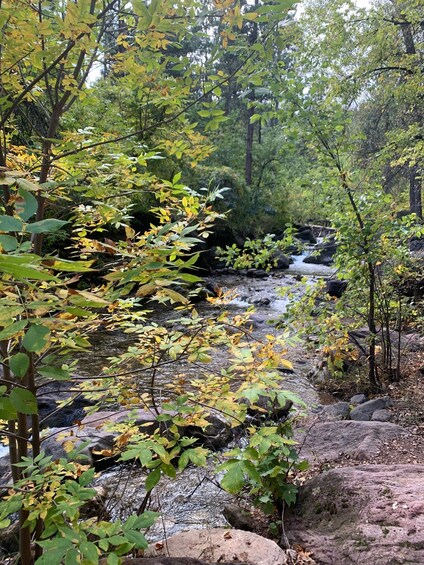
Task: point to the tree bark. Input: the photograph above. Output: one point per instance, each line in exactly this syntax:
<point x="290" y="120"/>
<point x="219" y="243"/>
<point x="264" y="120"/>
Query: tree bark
<point x="415" y="201"/>
<point x="249" y="145"/>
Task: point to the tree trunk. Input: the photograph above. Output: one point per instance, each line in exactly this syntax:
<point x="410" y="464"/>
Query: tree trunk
<point x="249" y="146"/>
<point x="415" y="202"/>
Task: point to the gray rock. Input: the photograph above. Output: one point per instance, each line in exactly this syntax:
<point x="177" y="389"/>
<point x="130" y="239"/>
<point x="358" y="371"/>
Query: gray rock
<point x="144" y="419"/>
<point x="50" y="395"/>
<point x="368" y="514"/>
<point x="217" y="545"/>
<point x="338" y="411"/>
<point x="336" y="288"/>
<point x="239" y="518"/>
<point x="257" y="273"/>
<point x="365" y="410"/>
<point x="5" y="472"/>
<point x="358" y="399"/>
<point x="305" y="233"/>
<point x="9" y="540"/>
<point x="323" y="253"/>
<point x="262" y="301"/>
<point x="381" y="416"/>
<point x="282" y="260"/>
<point x="256" y="321"/>
<point x="266" y="409"/>
<point x="216" y="435"/>
<point x="95" y="440"/>
<point x="330" y="441"/>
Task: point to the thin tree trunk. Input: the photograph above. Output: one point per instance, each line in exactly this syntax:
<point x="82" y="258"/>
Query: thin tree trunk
<point x="415" y="201"/>
<point x="249" y="146"/>
<point x="372" y="367"/>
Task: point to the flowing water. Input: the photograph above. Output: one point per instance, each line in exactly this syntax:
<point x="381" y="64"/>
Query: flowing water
<point x="195" y="499"/>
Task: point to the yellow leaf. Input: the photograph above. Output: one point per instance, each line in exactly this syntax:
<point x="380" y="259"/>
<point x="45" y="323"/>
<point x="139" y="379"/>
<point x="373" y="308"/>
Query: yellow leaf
<point x="286" y="364"/>
<point x="129" y="232"/>
<point x="146" y="289"/>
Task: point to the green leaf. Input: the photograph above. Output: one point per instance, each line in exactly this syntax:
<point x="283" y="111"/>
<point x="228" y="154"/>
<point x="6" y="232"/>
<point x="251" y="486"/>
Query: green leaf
<point x="10" y="223"/>
<point x="144" y="521"/>
<point x="302" y="465"/>
<point x="137" y="539"/>
<point x="27" y="184"/>
<point x="90" y="552"/>
<point x="55" y="373"/>
<point x="152" y="479"/>
<point x="183" y="460"/>
<point x="13" y="330"/>
<point x="197" y="457"/>
<point x="8" y="242"/>
<point x="27" y="206"/>
<point x="255" y="118"/>
<point x="189" y="278"/>
<point x="55" y="550"/>
<point x="251" y="472"/>
<point x="233" y="480"/>
<point x="21" y="270"/>
<point x="24" y="401"/>
<point x="49" y="225"/>
<point x="113" y="559"/>
<point x="7" y="411"/>
<point x="169" y="470"/>
<point x="71" y="556"/>
<point x="70" y="266"/>
<point x="104" y="545"/>
<point x="19" y="364"/>
<point x="289" y="395"/>
<point x="117" y="540"/>
<point x="36" y="338"/>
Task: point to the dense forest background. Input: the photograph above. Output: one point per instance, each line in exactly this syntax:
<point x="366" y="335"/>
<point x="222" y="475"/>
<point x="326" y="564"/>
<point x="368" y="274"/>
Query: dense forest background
<point x="133" y="136"/>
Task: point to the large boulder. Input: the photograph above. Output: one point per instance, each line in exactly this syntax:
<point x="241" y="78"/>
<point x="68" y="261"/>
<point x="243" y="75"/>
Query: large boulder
<point x="219" y="545"/>
<point x="9" y="540"/>
<point x="95" y="432"/>
<point x="336" y="287"/>
<point x="216" y="435"/>
<point x="88" y="441"/>
<point x="366" y="410"/>
<point x="368" y="514"/>
<point x="99" y="432"/>
<point x="73" y="410"/>
<point x="323" y="253"/>
<point x="306" y="234"/>
<point x="265" y="409"/>
<point x="331" y="441"/>
<point x="282" y="261"/>
<point x="336" y="411"/>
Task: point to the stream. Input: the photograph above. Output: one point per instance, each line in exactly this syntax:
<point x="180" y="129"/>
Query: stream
<point x="195" y="499"/>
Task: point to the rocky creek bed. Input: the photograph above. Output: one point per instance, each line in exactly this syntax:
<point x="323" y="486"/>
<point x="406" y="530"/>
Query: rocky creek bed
<point x="352" y="508"/>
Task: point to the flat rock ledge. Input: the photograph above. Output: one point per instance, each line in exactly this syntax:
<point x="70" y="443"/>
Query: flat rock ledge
<point x="367" y="514"/>
<point x="331" y="441"/>
<point x="220" y="545"/>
